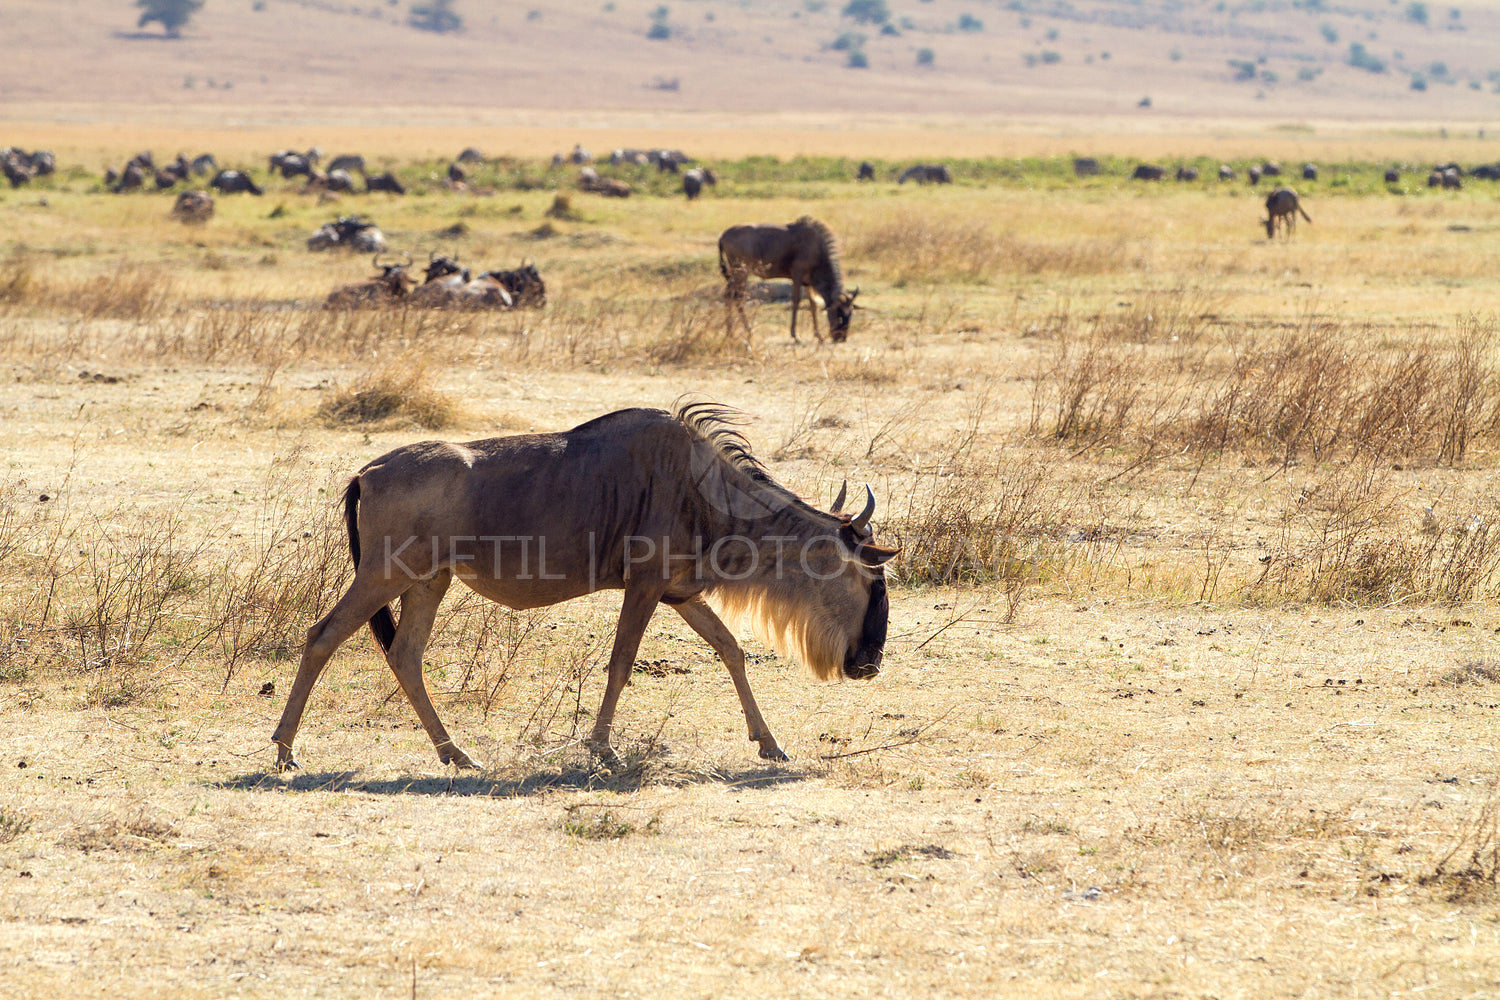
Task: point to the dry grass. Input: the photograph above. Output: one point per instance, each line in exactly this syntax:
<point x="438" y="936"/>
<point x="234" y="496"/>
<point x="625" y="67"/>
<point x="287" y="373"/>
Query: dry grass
<point x="1189" y="661"/>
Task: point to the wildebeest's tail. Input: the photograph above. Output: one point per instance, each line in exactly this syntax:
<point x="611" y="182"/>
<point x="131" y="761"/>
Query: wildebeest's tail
<point x="383" y="623"/>
<point x="723" y="266"/>
<point x="1303" y="211"/>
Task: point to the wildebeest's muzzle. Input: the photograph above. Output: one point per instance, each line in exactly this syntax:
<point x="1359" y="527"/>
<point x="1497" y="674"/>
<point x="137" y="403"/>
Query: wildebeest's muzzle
<point x="864" y="661"/>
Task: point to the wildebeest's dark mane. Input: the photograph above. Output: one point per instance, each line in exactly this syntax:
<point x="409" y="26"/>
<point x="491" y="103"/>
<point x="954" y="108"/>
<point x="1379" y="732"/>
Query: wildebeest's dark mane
<point x="718" y="424"/>
<point x="830" y="248"/>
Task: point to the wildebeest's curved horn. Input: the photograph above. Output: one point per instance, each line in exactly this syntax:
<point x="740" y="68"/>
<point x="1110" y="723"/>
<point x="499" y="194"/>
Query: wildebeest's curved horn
<point x="838" y="501"/>
<point x="861" y="520"/>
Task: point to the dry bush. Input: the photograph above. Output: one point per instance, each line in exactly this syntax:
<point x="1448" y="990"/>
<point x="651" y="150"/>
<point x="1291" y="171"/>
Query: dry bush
<point x="396" y="394"/>
<point x="694" y="331"/>
<point x="1469" y="871"/>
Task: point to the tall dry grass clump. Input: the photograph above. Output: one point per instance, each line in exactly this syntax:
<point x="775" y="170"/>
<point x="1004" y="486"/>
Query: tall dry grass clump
<point x="395" y="394"/>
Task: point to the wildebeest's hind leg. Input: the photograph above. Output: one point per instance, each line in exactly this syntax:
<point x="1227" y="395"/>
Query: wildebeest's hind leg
<point x="635" y="614"/>
<point x="367" y="595"/>
<point x="702" y="619"/>
<point x="418" y="611"/>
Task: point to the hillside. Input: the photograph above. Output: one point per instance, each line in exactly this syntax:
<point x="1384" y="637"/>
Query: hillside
<point x="1200" y="58"/>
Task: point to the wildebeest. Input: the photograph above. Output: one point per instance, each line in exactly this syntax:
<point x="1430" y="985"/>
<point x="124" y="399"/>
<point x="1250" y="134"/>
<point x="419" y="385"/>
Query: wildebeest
<point x="132" y="178"/>
<point x="1309" y="171"/>
<point x="1254" y="175"/>
<point x="457" y="174"/>
<point x="804" y="251"/>
<point x="1486" y="172"/>
<point x="1452" y="178"/>
<point x="352" y="162"/>
<point x="16" y="166"/>
<point x="524" y="283"/>
<point x="671" y="508"/>
<point x="1187" y="173"/>
<point x="866" y="171"/>
<point x="589" y="180"/>
<point x="234" y="182"/>
<point x="293" y="164"/>
<point x="1226" y="172"/>
<point x="694" y="179"/>
<point x="927" y="173"/>
<point x="1085" y="166"/>
<point x="448" y="285"/>
<point x="384" y="182"/>
<point x="390" y="287"/>
<point x="338" y="179"/>
<point x="580" y="156"/>
<point x="1282" y="208"/>
<point x="193" y="207"/>
<point x="668" y="160"/>
<point x="470" y="155"/>
<point x="1392" y="176"/>
<point x="348" y="232"/>
<point x="204" y="163"/>
<point x="630" y="157"/>
<point x="1270" y="168"/>
<point x="1148" y="172"/>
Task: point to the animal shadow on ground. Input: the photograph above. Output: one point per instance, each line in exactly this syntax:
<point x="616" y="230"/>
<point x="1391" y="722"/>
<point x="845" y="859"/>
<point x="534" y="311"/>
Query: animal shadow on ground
<point x="519" y="781"/>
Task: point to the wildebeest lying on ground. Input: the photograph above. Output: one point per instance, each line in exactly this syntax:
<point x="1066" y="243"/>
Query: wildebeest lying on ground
<point x="390" y="287"/>
<point x="805" y="251"/>
<point x="447" y="285"/>
<point x="235" y="182"/>
<point x="927" y="173"/>
<point x="671" y="508"/>
<point x="1282" y="208"/>
<point x="524" y="283"/>
<point x="693" y="181"/>
<point x="384" y="182"/>
<point x="348" y="232"/>
<point x="1148" y="172"/>
<point x="193" y="207"/>
<point x="590" y="181"/>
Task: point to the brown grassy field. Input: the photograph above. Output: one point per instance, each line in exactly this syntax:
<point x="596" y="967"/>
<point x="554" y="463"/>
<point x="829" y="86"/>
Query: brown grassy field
<point x="1190" y="689"/>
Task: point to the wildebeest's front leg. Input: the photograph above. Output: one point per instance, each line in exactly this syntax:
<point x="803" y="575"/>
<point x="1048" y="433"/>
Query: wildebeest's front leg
<point x="418" y="612"/>
<point x="366" y="595"/>
<point x="707" y="624"/>
<point x="635" y="614"/>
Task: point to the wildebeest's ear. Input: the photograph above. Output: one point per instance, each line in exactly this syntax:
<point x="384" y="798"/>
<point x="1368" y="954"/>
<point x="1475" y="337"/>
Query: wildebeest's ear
<point x="875" y="555"/>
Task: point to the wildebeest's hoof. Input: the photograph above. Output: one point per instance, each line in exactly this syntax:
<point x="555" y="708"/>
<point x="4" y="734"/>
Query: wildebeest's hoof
<point x="286" y="764"/>
<point x="774" y="753"/>
<point x="462" y="761"/>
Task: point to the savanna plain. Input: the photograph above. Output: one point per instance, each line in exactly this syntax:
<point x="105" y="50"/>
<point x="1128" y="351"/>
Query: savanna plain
<point x="1190" y="690"/>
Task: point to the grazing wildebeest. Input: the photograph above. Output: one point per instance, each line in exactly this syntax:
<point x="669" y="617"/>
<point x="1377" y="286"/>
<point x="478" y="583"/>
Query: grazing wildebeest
<point x="294" y="164"/>
<point x="1226" y="172"/>
<point x="1435" y="179"/>
<point x="1282" y="208"/>
<point x="694" y="179"/>
<point x="1187" y="173"/>
<point x="384" y="182"/>
<point x="1254" y="175"/>
<point x="668" y="160"/>
<point x="470" y="155"/>
<point x="866" y="171"/>
<point x="1392" y="176"/>
<point x="671" y="508"/>
<point x="1309" y="171"/>
<point x="457" y="174"/>
<point x="1148" y="172"/>
<point x="390" y="287"/>
<point x="1085" y="166"/>
<point x="630" y="157"/>
<point x="524" y="283"/>
<point x="43" y="162"/>
<point x="1486" y="172"/>
<point x="133" y="178"/>
<point x="1270" y="169"/>
<point x="805" y="251"/>
<point x="193" y="207"/>
<point x="204" y="163"/>
<point x="1452" y="179"/>
<point x="927" y="173"/>
<point x="16" y="166"/>
<point x="234" y="182"/>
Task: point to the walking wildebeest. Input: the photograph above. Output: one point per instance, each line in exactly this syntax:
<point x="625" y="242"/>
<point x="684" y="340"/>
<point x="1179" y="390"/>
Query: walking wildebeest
<point x="1282" y="207"/>
<point x="671" y="508"/>
<point x="927" y="173"/>
<point x="694" y="179"/>
<point x="805" y="251"/>
<point x="234" y="182"/>
<point x="389" y="287"/>
<point x="1148" y="172"/>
